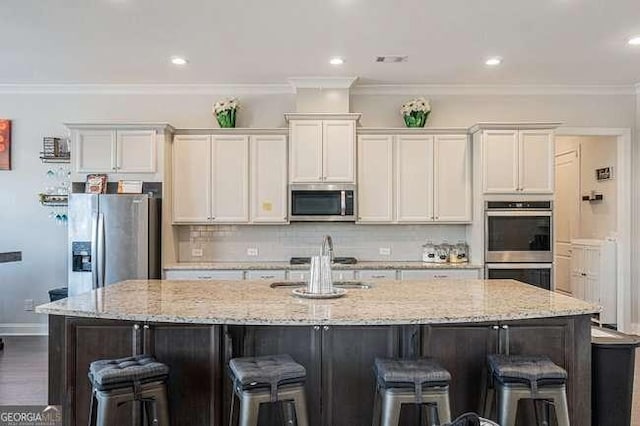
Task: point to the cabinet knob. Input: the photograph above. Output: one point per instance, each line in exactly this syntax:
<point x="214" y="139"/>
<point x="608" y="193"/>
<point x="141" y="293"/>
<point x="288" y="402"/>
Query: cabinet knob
<point x="316" y="327"/>
<point x="495" y="327"/>
<point x="136" y="327"/>
<point x="146" y="326"/>
<point x="326" y="327"/>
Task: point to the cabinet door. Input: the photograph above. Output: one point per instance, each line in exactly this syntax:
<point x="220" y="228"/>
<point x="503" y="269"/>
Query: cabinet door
<point x="439" y="274"/>
<point x="203" y="274"/>
<point x="452" y="171"/>
<point x="269" y="179"/>
<point x="136" y="151"/>
<point x="89" y="340"/>
<point x="338" y="150"/>
<point x="265" y="275"/>
<point x="414" y="178"/>
<point x="375" y="178"/>
<point x="348" y="355"/>
<point x="192" y="353"/>
<point x="383" y="274"/>
<point x="536" y="161"/>
<point x="94" y="151"/>
<point x="230" y="179"/>
<point x="500" y="161"/>
<point x="191" y="186"/>
<point x="305" y="151"/>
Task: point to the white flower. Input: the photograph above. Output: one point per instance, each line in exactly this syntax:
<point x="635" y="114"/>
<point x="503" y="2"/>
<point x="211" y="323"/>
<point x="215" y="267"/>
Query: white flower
<point x="414" y="105"/>
<point x="225" y="105"/>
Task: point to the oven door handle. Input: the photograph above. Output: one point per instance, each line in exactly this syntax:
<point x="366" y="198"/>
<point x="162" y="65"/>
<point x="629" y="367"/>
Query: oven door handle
<point x="519" y="265"/>
<point x="527" y="213"/>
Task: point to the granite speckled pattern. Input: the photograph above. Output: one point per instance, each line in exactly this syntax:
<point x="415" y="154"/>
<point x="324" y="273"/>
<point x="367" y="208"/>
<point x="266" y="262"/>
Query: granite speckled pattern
<point x="361" y="265"/>
<point x="256" y="303"/>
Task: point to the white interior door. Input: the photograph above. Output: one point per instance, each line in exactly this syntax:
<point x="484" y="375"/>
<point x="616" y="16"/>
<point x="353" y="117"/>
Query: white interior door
<point x="136" y="151"/>
<point x="338" y="150"/>
<point x="375" y="178"/>
<point x="452" y="171"/>
<point x="305" y="151"/>
<point x="414" y="177"/>
<point x="566" y="215"/>
<point x="230" y="178"/>
<point x="191" y="183"/>
<point x="269" y="179"/>
<point x="536" y="152"/>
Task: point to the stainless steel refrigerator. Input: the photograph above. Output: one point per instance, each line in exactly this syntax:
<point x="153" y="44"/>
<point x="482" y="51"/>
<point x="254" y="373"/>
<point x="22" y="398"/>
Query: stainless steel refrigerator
<point x="112" y="237"/>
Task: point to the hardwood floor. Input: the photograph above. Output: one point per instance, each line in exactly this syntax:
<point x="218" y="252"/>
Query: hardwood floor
<point x="23" y="374"/>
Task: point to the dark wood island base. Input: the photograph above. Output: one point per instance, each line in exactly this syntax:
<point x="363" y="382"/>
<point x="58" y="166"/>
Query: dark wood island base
<point x="338" y="358"/>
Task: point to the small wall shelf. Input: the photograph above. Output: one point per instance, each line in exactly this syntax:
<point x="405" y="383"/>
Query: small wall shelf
<point x="54" y="200"/>
<point x="55" y="159"/>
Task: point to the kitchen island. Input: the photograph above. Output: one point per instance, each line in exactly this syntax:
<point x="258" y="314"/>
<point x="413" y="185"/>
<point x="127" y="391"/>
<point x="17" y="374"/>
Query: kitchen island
<point x="197" y="326"/>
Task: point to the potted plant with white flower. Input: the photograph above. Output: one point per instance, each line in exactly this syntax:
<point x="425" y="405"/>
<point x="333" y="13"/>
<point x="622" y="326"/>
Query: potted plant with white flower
<point x="415" y="112"/>
<point x="225" y="112"/>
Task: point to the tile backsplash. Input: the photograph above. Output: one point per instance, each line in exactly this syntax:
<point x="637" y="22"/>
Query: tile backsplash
<point x="223" y="243"/>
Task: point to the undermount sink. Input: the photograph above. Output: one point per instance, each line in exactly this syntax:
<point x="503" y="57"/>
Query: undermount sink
<point x="342" y="284"/>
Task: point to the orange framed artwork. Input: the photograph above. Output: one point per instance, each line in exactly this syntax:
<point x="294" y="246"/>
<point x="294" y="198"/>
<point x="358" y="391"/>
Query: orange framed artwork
<point x="5" y="144"/>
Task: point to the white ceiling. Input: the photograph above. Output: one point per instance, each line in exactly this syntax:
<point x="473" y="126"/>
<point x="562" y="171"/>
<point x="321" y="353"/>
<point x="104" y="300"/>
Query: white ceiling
<point x="572" y="42"/>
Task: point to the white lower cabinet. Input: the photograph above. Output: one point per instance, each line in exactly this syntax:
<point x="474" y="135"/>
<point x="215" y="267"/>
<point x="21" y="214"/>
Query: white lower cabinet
<point x="265" y="274"/>
<point x="203" y="274"/>
<point x="382" y="274"/>
<point x="298" y="275"/>
<point x="439" y="274"/>
<point x="343" y="275"/>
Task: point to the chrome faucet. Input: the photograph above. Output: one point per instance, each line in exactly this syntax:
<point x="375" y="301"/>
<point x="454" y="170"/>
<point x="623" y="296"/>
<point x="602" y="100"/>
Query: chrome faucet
<point x="327" y="247"/>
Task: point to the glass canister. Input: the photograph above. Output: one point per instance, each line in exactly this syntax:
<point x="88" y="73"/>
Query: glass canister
<point x="442" y="253"/>
<point x="429" y="252"/>
<point x="462" y="252"/>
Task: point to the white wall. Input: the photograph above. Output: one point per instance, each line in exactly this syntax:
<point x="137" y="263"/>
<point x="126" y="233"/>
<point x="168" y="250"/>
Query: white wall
<point x="24" y="225"/>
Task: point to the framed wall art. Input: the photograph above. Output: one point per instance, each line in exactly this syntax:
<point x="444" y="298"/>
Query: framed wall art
<point x="5" y="144"/>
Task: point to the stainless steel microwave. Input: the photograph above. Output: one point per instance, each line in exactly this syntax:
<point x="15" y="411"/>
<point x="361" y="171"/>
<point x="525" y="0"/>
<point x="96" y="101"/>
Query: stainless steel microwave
<point x="322" y="203"/>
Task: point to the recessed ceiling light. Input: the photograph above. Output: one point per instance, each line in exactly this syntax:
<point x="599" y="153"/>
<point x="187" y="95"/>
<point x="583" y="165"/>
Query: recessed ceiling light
<point x="634" y="41"/>
<point x="493" y="61"/>
<point x="177" y="60"/>
<point x="336" y="61"/>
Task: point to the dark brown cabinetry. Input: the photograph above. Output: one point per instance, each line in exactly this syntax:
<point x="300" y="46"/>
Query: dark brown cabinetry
<point x="191" y="352"/>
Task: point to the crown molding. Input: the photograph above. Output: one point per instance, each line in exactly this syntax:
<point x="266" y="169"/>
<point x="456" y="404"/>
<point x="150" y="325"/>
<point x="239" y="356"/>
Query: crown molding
<point x="322" y="82"/>
<point x="146" y="89"/>
<point x="491" y="89"/>
<point x="524" y="125"/>
<point x="322" y="116"/>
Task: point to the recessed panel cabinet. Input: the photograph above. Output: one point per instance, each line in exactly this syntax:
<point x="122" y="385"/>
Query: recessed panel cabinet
<point x="518" y="161"/>
<point x="268" y="179"/>
<point x="414" y="178"/>
<point x="191" y="181"/>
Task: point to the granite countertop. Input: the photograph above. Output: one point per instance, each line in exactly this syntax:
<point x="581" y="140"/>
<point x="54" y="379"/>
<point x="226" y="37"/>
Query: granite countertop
<point x="256" y="303"/>
<point x="286" y="265"/>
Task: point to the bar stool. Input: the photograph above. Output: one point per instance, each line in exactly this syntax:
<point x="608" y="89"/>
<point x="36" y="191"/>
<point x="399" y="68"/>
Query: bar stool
<point x="534" y="377"/>
<point x="268" y="379"/>
<point x="118" y="381"/>
<point x="421" y="381"/>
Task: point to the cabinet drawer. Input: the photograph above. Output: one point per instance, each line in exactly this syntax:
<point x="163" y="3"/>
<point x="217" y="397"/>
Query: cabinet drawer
<point x="301" y="275"/>
<point x="382" y="274"/>
<point x="265" y="275"/>
<point x="438" y="274"/>
<point x="203" y="274"/>
<point x="343" y="275"/>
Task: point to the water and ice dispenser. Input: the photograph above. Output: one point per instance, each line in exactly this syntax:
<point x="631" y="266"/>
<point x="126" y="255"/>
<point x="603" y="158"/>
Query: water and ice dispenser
<point x="81" y="255"/>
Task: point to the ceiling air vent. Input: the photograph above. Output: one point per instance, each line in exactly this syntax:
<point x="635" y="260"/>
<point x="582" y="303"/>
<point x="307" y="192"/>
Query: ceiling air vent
<point x="391" y="59"/>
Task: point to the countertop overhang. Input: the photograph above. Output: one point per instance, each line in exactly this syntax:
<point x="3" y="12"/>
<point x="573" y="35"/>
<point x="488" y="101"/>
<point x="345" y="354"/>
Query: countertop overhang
<point x="361" y="265"/>
<point x="256" y="303"/>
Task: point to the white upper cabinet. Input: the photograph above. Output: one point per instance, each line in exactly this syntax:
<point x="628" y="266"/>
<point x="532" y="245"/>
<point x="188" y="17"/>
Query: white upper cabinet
<point x="536" y="166"/>
<point x="338" y="150"/>
<point x="306" y="151"/>
<point x="115" y="150"/>
<point x="268" y="179"/>
<point x="375" y="178"/>
<point x="518" y="161"/>
<point x="452" y="176"/>
<point x="322" y="151"/>
<point x="414" y="177"/>
<point x="191" y="181"/>
<point x="230" y="178"/>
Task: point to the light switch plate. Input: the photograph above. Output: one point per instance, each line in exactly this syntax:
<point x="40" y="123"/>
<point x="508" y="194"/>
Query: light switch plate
<point x="385" y="251"/>
<point x="252" y="251"/>
<point x="28" y="305"/>
<point x="196" y="252"/>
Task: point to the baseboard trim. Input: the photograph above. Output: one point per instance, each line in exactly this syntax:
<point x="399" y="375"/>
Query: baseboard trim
<point x="24" y="329"/>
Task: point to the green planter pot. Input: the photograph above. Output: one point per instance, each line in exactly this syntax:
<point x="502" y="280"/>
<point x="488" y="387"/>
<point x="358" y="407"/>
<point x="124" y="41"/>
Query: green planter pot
<point x="416" y="119"/>
<point x="227" y="119"/>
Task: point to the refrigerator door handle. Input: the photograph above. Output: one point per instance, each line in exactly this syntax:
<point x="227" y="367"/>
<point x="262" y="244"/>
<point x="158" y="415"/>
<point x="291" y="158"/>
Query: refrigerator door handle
<point x="101" y="250"/>
<point x="94" y="250"/>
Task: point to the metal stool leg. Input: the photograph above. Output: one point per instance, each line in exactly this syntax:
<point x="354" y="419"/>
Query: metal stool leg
<point x="249" y="410"/>
<point x="390" y="410"/>
<point x="433" y="419"/>
<point x="561" y="408"/>
<point x="107" y="411"/>
<point x="444" y="407"/>
<point x="92" y="408"/>
<point x="300" y="403"/>
<point x="377" y="409"/>
<point x="507" y="405"/>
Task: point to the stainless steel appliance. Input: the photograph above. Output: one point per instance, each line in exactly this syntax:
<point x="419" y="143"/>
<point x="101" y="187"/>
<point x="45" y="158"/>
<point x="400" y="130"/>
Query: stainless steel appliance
<point x="537" y="274"/>
<point x="112" y="237"/>
<point x="518" y="231"/>
<point x="322" y="203"/>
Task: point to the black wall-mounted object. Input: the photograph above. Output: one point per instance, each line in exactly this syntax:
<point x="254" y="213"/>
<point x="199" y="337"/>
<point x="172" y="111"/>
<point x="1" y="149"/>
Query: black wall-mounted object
<point x="11" y="256"/>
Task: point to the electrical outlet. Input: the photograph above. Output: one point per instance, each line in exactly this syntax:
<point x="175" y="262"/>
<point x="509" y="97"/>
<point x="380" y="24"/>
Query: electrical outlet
<point x="252" y="251"/>
<point x="28" y="305"/>
<point x="196" y="252"/>
<point x="385" y="251"/>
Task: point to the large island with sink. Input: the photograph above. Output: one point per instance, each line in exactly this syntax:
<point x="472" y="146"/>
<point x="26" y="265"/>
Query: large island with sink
<point x="195" y="327"/>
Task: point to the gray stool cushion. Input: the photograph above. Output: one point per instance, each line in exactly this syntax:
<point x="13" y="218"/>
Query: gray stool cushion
<point x="399" y="372"/>
<point x="532" y="370"/>
<point x="116" y="373"/>
<point x="266" y="370"/>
